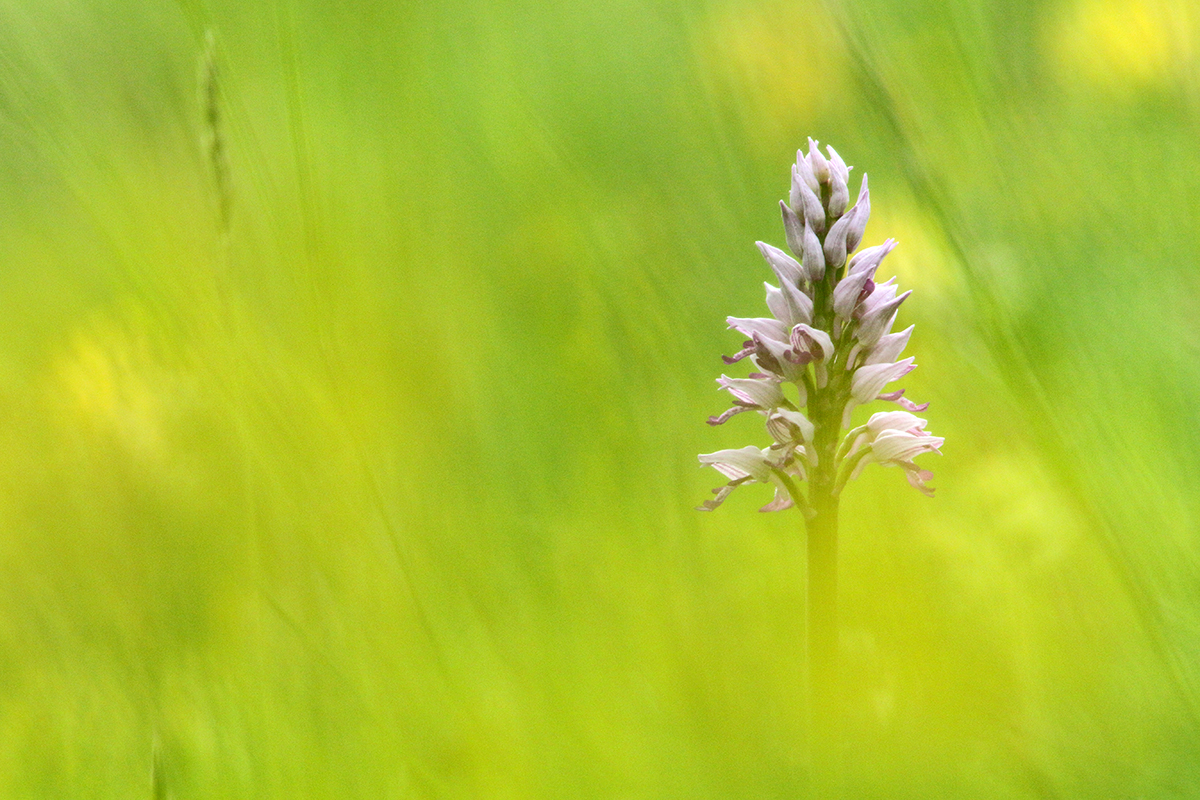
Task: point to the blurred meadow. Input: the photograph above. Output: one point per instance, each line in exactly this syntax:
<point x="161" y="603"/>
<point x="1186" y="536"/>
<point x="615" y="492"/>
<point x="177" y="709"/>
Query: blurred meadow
<point x="354" y="360"/>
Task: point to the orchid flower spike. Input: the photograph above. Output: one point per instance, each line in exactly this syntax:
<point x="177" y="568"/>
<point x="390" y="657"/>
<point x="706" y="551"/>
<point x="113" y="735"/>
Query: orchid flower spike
<point x="826" y="349"/>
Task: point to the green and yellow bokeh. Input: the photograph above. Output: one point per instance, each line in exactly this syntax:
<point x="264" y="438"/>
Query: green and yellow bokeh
<point x="387" y="490"/>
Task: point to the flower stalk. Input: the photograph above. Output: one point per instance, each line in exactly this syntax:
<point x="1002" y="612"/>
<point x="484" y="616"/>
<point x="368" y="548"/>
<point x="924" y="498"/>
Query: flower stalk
<point x="827" y="348"/>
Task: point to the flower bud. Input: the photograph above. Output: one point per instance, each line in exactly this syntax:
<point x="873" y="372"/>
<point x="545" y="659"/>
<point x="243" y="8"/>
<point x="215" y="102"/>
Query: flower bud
<point x="786" y="268"/>
<point x="878" y="320"/>
<point x="835" y="240"/>
<point x="871" y="257"/>
<point x="839" y="194"/>
<point x="814" y="259"/>
<point x="837" y="166"/>
<point x="862" y="208"/>
<point x="848" y="293"/>
<point x="889" y="347"/>
<point x="793" y="231"/>
<point x="820" y="166"/>
<point x="809" y="206"/>
<point x="789" y="305"/>
<point x="806" y="173"/>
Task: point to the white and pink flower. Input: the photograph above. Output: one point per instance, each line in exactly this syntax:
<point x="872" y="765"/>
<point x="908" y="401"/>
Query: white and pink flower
<point x="830" y="337"/>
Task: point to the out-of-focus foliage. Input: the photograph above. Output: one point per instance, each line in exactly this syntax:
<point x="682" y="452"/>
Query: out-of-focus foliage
<point x="387" y="489"/>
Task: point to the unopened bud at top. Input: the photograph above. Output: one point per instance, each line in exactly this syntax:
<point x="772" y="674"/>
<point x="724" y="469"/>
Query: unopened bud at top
<point x="805" y="202"/>
<point x="862" y="209"/>
<point x="793" y="231"/>
<point x="814" y="259"/>
<point x="839" y="193"/>
<point x="837" y="166"/>
<point x="820" y="166"/>
<point x="805" y="170"/>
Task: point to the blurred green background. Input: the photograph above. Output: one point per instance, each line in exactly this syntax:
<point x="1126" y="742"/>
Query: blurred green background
<point x="386" y="489"/>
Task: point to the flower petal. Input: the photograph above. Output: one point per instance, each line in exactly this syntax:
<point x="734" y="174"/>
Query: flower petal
<point x="806" y="172"/>
<point x="835" y="240"/>
<point x="820" y="166"/>
<point x="763" y="326"/>
<point x="793" y="231"/>
<point x="871" y="257"/>
<point x="889" y="347"/>
<point x="899" y="399"/>
<point x="786" y="268"/>
<point x="721" y="420"/>
<point x="746" y="462"/>
<point x="804" y="337"/>
<point x="782" y="500"/>
<point x="805" y="202"/>
<point x="721" y="493"/>
<point x="761" y="393"/>
<point x="902" y="446"/>
<point x="747" y="349"/>
<point x="868" y="381"/>
<point x="894" y="420"/>
<point x="837" y="166"/>
<point x="862" y="212"/>
<point x="796" y="420"/>
<point x="839" y="192"/>
<point x="848" y="293"/>
<point x="879" y="320"/>
<point x="813" y="256"/>
<point x="789" y="305"/>
<point x="917" y="478"/>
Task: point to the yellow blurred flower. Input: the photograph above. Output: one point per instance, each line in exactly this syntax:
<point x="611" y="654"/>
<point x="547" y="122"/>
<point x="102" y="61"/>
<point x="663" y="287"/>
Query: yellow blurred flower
<point x="1124" y="47"/>
<point x="776" y="79"/>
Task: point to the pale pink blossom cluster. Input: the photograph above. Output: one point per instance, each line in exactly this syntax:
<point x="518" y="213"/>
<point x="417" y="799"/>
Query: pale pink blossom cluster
<point x="827" y="348"/>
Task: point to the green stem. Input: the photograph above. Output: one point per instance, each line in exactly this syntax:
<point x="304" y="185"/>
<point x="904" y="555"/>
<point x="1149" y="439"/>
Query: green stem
<point x="825" y="407"/>
<point x="822" y="596"/>
<point x="822" y="528"/>
<point x="822" y="622"/>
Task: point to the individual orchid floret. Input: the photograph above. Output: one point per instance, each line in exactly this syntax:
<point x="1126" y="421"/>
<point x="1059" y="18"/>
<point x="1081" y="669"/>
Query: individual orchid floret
<point x="862" y="209"/>
<point x="851" y="290"/>
<point x="837" y="166"/>
<point x="813" y="341"/>
<point x="886" y="350"/>
<point x="805" y="170"/>
<point x="789" y="427"/>
<point x="788" y="304"/>
<point x="869" y="381"/>
<point x="778" y="358"/>
<point x="751" y="465"/>
<point x="879" y="315"/>
<point x="820" y="166"/>
<point x="759" y="392"/>
<point x="786" y="268"/>
<point x="871" y="257"/>
<point x="812" y="253"/>
<point x="793" y="232"/>
<point x="894" y="439"/>
<point x="804" y="201"/>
